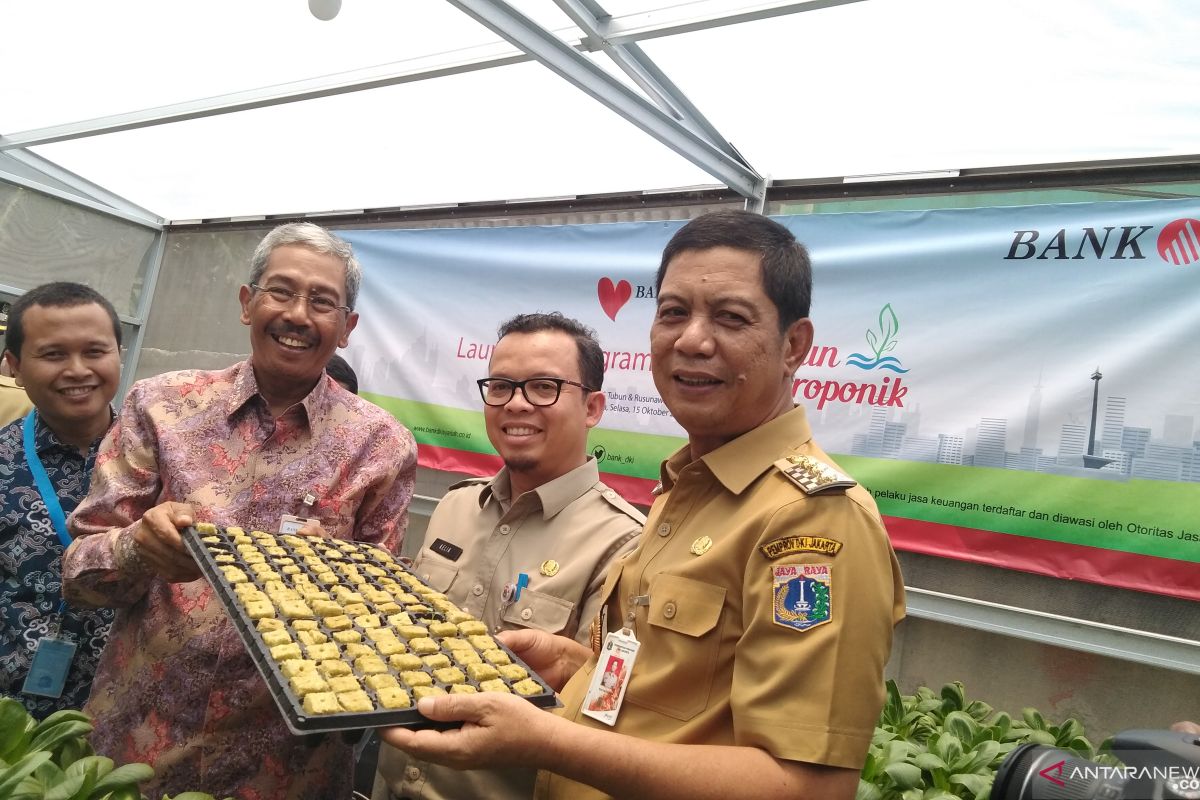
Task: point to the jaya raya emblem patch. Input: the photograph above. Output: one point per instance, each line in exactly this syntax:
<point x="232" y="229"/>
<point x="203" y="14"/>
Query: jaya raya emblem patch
<point x="803" y="595"/>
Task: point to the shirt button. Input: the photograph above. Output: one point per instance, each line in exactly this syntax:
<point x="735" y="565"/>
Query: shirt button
<point x="477" y="589"/>
<point x="426" y="577"/>
<point x="664" y="530"/>
<point x="631" y="616"/>
<point x="504" y="529"/>
<point x="527" y="614"/>
<point x="412" y="774"/>
<point x="610" y="494"/>
<point x="669" y="611"/>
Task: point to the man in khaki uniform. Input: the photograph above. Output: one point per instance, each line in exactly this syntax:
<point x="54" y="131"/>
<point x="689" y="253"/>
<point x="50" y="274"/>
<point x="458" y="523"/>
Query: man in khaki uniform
<point x="545" y="523"/>
<point x="762" y="595"/>
<point x="14" y="402"/>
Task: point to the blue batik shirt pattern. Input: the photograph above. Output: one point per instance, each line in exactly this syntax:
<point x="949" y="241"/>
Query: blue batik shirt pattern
<point x="31" y="568"/>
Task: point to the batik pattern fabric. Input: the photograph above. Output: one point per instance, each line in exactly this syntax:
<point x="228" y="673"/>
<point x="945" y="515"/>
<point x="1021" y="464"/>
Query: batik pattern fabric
<point x="176" y="687"/>
<point x="31" y="568"/>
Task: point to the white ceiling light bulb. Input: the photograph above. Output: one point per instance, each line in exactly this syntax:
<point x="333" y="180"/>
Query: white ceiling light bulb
<point x="325" y="9"/>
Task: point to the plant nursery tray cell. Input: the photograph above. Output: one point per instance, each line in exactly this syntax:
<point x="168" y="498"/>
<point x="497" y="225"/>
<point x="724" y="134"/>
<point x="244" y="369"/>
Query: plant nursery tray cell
<point x="345" y="636"/>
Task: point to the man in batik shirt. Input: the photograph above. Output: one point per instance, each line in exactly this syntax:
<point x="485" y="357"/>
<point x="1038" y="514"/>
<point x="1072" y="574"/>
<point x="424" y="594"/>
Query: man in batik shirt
<point x="268" y="437"/>
<point x="63" y="345"/>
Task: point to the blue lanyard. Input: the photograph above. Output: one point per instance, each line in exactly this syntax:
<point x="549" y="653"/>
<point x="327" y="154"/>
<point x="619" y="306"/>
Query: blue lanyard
<point x="46" y="490"/>
<point x="42" y="480"/>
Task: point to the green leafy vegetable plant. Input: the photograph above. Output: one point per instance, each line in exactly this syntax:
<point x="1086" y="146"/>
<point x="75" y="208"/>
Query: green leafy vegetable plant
<point x="939" y="746"/>
<point x="52" y="760"/>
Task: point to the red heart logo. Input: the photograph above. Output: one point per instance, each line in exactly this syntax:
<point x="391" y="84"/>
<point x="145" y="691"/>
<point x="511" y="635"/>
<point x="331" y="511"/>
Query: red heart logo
<point x="613" y="297"/>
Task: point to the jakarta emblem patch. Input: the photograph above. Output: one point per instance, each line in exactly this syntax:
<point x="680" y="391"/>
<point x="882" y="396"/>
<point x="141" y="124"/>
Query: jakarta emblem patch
<point x="803" y="595"/>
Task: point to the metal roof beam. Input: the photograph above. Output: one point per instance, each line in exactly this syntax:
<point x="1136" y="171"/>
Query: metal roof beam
<point x="577" y="69"/>
<point x="154" y="223"/>
<point x="88" y="192"/>
<point x="154" y="259"/>
<point x="705" y="14"/>
<point x="593" y="20"/>
<point x="625" y="29"/>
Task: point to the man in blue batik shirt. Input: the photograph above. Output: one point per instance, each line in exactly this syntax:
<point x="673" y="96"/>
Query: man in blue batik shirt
<point x="63" y="345"/>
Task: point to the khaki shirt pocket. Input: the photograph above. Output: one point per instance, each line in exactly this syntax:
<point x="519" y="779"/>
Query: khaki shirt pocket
<point x="678" y="670"/>
<point x="437" y="576"/>
<point x="539" y="610"/>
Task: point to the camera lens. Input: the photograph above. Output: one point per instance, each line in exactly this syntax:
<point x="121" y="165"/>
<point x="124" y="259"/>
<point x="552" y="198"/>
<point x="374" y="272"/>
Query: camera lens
<point x="1039" y="772"/>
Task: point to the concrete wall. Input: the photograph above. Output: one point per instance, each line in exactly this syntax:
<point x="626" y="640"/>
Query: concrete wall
<point x="194" y="319"/>
<point x="1105" y="694"/>
<point x="44" y="239"/>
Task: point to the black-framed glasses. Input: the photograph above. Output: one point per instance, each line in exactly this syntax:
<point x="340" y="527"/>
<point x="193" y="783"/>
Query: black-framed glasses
<point x="538" y="391"/>
<point x="317" y="304"/>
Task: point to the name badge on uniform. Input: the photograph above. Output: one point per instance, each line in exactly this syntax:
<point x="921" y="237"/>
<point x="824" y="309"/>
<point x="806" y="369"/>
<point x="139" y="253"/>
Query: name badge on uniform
<point x="446" y="550"/>
<point x="289" y="523"/>
<point x="51" y="663"/>
<point x="606" y="692"/>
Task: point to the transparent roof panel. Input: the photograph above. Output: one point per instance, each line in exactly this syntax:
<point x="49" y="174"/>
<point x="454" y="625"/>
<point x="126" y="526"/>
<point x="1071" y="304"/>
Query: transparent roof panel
<point x="504" y="133"/>
<point x="547" y="14"/>
<point x="153" y="53"/>
<point x="878" y="87"/>
<point x="621" y="7"/>
<point x="853" y="89"/>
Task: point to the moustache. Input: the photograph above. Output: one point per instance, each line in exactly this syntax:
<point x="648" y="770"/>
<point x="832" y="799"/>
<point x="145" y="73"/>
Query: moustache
<point x="292" y="331"/>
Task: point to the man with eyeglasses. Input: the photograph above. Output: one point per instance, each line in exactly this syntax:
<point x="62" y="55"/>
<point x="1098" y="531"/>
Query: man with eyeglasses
<point x="271" y="443"/>
<point x="529" y="547"/>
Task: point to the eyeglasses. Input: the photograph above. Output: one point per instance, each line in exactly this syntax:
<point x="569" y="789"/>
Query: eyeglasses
<point x="537" y="391"/>
<point x="316" y="303"/>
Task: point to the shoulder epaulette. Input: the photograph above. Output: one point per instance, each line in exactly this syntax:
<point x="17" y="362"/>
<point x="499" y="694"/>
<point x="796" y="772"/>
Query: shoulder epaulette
<point x="468" y="482"/>
<point x="618" y="502"/>
<point x="813" y="475"/>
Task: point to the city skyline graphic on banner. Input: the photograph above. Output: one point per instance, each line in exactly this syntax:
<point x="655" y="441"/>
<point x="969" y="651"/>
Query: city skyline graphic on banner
<point x="1105" y="447"/>
<point x="1097" y="441"/>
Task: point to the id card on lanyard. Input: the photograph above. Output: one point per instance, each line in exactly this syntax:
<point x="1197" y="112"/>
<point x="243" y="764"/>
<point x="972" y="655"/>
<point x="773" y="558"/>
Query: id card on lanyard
<point x="610" y="679"/>
<point x="52" y="659"/>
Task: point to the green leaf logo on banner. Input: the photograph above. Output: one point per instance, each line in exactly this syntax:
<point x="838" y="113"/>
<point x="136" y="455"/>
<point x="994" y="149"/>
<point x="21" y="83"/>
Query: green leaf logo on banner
<point x="881" y="342"/>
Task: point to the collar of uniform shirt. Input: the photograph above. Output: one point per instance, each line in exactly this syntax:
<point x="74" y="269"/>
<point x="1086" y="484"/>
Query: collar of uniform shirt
<point x="567" y="488"/>
<point x="554" y="495"/>
<point x="740" y="462"/>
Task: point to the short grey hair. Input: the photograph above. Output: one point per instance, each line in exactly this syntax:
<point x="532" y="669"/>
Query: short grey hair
<point x="315" y="238"/>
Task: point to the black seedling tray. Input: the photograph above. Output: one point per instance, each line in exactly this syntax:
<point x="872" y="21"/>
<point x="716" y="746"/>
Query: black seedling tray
<point x="290" y="704"/>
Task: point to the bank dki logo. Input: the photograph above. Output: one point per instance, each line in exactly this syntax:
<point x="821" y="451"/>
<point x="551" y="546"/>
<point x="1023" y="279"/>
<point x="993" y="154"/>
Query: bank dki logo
<point x="612" y="297"/>
<point x="1179" y="242"/>
<point x="881" y="342"/>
